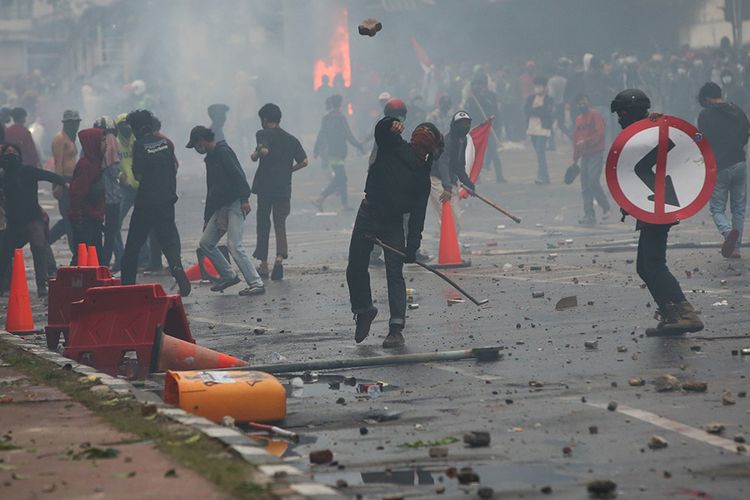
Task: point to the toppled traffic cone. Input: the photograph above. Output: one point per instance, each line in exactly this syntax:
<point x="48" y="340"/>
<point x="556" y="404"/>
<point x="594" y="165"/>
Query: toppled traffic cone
<point x="83" y="255"/>
<point x="171" y="353"/>
<point x="246" y="396"/>
<point x="92" y="258"/>
<point x="19" y="319"/>
<point x="450" y="254"/>
<point x="194" y="272"/>
<point x="369" y="27"/>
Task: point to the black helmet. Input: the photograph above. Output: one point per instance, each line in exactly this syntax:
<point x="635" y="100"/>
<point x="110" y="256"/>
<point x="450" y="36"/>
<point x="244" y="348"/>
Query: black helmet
<point x="630" y="99"/>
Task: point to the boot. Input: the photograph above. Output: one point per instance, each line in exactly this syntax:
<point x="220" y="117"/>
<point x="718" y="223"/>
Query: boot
<point x="363" y="321"/>
<point x="667" y="315"/>
<point x="687" y="321"/>
<point x="395" y="338"/>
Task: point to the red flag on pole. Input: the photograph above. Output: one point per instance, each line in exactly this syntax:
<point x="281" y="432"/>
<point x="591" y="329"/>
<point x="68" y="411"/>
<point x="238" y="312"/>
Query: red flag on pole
<point x="424" y="59"/>
<point x="475" y="150"/>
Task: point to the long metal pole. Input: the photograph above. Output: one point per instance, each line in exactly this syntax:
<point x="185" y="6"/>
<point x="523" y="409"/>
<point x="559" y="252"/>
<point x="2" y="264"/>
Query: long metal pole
<point x="480" y="353"/>
<point x="497" y="207"/>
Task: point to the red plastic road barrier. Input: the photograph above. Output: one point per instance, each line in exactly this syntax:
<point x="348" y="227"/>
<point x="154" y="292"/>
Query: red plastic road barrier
<point x="113" y="325"/>
<point x="69" y="286"/>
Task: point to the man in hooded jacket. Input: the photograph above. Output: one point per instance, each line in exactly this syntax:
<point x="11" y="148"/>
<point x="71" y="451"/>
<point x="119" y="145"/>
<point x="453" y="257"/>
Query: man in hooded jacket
<point x="87" y="193"/>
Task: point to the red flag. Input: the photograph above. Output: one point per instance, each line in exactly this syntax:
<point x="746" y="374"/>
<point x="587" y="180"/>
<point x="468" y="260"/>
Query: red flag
<point x="424" y="59"/>
<point x="475" y="150"/>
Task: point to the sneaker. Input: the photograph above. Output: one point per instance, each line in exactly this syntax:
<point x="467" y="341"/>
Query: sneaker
<point x="223" y="284"/>
<point x="277" y="274"/>
<point x="423" y="257"/>
<point x="395" y="338"/>
<point x="262" y="270"/>
<point x="182" y="281"/>
<point x="364" y="321"/>
<point x="253" y="290"/>
<point x="730" y="242"/>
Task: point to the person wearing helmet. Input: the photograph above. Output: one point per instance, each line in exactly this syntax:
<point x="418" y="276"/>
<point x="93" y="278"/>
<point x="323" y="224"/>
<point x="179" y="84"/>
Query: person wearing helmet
<point x="397" y="184"/>
<point x="155" y="168"/>
<point x="331" y="146"/>
<point x="450" y="168"/>
<point x="677" y="314"/>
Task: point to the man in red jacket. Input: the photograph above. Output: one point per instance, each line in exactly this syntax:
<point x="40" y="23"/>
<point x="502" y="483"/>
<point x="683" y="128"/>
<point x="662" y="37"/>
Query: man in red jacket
<point x="87" y="192"/>
<point x="588" y="150"/>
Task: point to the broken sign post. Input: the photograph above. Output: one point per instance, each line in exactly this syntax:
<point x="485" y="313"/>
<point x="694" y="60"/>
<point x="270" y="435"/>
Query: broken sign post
<point x="661" y="170"/>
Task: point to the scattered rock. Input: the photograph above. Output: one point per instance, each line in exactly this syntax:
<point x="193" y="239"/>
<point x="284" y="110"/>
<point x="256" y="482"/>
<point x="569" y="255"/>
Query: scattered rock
<point x="567" y="451"/>
<point x="566" y="303"/>
<point x="227" y="421"/>
<point x="99" y="389"/>
<point x="148" y="410"/>
<point x="695" y="386"/>
<point x="440" y="488"/>
<point x="622" y="348"/>
<point x="666" y="383"/>
<point x="438" y="452"/>
<point x="477" y="439"/>
<point x="727" y="398"/>
<point x="591" y="344"/>
<point x="593" y="429"/>
<point x="535" y="383"/>
<point x="657" y="443"/>
<point x="739" y="438"/>
<point x="636" y="381"/>
<point x="612" y="406"/>
<point x="601" y="488"/>
<point x="714" y="428"/>
<point x="467" y="476"/>
<point x="546" y="490"/>
<point x="369" y="27"/>
<point x="321" y="457"/>
<point x="486" y="492"/>
<point x="363" y="431"/>
<point x="341" y="483"/>
<point x="537" y="295"/>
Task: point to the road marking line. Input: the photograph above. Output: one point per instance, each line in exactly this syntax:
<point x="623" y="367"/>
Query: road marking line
<point x="674" y="426"/>
<point x="461" y="371"/>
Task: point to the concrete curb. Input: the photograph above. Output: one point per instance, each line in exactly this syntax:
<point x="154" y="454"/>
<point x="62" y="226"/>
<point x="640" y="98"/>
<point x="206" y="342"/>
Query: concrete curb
<point x="288" y="481"/>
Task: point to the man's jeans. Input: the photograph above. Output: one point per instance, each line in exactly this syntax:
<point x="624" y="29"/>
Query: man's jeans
<point x="391" y="232"/>
<point x="731" y="185"/>
<point x="229" y="220"/>
<point x="591" y="186"/>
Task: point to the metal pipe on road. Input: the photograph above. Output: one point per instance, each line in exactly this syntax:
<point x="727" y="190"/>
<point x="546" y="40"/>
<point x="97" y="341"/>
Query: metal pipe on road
<point x="480" y="354"/>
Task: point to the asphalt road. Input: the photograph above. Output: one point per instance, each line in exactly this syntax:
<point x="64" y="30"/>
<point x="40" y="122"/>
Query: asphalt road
<point x="540" y="432"/>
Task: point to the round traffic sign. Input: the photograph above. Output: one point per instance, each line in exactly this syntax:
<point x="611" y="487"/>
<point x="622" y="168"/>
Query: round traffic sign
<point x="661" y="170"/>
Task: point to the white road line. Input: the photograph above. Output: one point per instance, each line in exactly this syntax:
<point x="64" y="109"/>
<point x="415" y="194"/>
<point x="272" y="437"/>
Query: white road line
<point x="461" y="371"/>
<point x="674" y="426"/>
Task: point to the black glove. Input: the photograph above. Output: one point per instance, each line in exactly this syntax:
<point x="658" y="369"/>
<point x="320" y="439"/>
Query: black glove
<point x="470" y="186"/>
<point x="410" y="255"/>
<point x="624" y="214"/>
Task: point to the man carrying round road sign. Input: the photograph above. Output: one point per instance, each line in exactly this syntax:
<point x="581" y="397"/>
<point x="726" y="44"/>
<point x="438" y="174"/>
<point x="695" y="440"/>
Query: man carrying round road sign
<point x="660" y="170"/>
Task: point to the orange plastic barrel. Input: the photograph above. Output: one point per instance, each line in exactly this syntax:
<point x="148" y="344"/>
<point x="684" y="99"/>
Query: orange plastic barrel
<point x="246" y="396"/>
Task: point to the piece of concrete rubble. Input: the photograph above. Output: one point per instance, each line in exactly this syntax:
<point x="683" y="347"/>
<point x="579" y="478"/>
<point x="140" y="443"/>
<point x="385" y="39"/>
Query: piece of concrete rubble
<point x="566" y="303"/>
<point x="593" y="429"/>
<point x="612" y="406"/>
<point x="601" y="488"/>
<point x="369" y="27"/>
<point x="477" y="439"/>
<point x="485" y="493"/>
<point x="740" y="438"/>
<point x="321" y="457"/>
<point x="591" y="345"/>
<point x="636" y="381"/>
<point x="438" y="452"/>
<point x="467" y="476"/>
<point x="714" y="428"/>
<point x="695" y="386"/>
<point x="657" y="442"/>
<point x="727" y="398"/>
<point x="666" y="383"/>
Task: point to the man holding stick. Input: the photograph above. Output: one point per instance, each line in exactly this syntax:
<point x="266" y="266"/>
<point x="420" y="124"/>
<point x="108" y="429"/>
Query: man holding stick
<point x="398" y="183"/>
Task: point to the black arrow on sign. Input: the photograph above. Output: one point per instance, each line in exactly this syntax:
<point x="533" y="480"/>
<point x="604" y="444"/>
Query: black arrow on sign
<point x="644" y="169"/>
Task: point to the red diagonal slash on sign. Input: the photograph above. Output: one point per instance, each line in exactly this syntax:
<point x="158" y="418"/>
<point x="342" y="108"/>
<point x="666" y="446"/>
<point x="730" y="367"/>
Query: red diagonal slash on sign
<point x="661" y="168"/>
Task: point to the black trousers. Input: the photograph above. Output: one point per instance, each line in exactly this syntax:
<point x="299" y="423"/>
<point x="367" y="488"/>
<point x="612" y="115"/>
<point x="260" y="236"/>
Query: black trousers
<point x="63" y="227"/>
<point x="280" y="208"/>
<point x="17" y="236"/>
<point x="160" y="220"/>
<point x="111" y="227"/>
<point x="338" y="181"/>
<point x="391" y="232"/>
<point x="88" y="232"/>
<point x="652" y="267"/>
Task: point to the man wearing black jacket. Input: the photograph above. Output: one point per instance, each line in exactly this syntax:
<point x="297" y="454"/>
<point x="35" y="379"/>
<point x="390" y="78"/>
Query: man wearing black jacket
<point x="227" y="206"/>
<point x="155" y="167"/>
<point x="398" y="183"/>
<point x="726" y="127"/>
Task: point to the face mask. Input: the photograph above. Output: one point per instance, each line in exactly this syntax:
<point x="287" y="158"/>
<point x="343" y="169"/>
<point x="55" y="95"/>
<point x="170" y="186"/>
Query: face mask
<point x="10" y="160"/>
<point x="200" y="150"/>
<point x="462" y="127"/>
<point x="726" y="79"/>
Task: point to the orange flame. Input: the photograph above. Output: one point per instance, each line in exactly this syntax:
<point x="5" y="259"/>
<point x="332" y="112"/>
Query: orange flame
<point x="338" y="56"/>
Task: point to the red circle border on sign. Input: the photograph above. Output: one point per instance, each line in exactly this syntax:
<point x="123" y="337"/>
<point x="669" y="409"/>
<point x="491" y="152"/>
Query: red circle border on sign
<point x="667" y="218"/>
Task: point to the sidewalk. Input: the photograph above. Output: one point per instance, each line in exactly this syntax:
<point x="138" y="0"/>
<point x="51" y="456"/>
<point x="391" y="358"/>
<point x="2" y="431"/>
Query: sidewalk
<point x="52" y="444"/>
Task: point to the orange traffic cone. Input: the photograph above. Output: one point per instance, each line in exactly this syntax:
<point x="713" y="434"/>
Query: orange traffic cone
<point x="450" y="254"/>
<point x="93" y="258"/>
<point x="83" y="255"/>
<point x="194" y="272"/>
<point x="19" y="318"/>
<point x="171" y="353"/>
